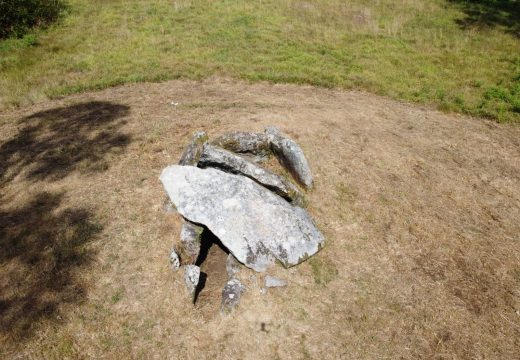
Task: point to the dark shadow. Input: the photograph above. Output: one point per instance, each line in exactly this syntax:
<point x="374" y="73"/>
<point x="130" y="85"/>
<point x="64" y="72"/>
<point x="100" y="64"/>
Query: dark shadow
<point x="42" y="250"/>
<point x="53" y="143"/>
<point x="207" y="240"/>
<point x="490" y="13"/>
<point x="202" y="283"/>
<point x="45" y="241"/>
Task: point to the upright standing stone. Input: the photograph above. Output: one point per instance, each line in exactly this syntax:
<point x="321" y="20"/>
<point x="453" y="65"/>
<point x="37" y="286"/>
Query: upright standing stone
<point x="191" y="279"/>
<point x="190" y="241"/>
<point x="192" y="152"/>
<point x="243" y="142"/>
<point x="290" y="155"/>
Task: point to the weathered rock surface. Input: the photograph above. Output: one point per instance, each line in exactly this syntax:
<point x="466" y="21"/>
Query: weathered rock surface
<point x="231" y="294"/>
<point x="290" y="155"/>
<point x="255" y="225"/>
<point x="191" y="278"/>
<point x="271" y="281"/>
<point x="175" y="261"/>
<point x="190" y="240"/>
<point x="243" y="142"/>
<point x="232" y="266"/>
<point x="194" y="149"/>
<point x="216" y="157"/>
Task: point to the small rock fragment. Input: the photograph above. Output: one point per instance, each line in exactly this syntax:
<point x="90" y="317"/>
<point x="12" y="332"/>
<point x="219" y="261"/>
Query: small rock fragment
<point x="174" y="260"/>
<point x="168" y="206"/>
<point x="231" y="294"/>
<point x="192" y="152"/>
<point x="271" y="281"/>
<point x="219" y="158"/>
<point x="243" y="142"/>
<point x="232" y="266"/>
<point x="191" y="278"/>
<point x="290" y="155"/>
<point x="190" y="240"/>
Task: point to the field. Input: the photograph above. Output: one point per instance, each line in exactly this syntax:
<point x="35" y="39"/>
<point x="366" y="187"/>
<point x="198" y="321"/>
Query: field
<point x="407" y="110"/>
<point x="457" y="55"/>
<point x="420" y="210"/>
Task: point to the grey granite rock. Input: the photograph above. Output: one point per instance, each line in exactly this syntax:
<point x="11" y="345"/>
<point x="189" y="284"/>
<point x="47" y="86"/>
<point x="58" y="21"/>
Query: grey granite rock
<point x="256" y="225"/>
<point x="175" y="262"/>
<point x="243" y="142"/>
<point x="231" y="294"/>
<point x="190" y="240"/>
<point x="194" y="149"/>
<point x="219" y="158"/>
<point x="232" y="266"/>
<point x="191" y="278"/>
<point x="290" y="155"/>
<point x="271" y="281"/>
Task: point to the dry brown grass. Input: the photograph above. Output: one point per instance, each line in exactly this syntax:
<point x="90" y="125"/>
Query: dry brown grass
<point x="420" y="210"/>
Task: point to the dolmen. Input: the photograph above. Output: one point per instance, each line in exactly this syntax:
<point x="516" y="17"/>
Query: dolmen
<point x="258" y="215"/>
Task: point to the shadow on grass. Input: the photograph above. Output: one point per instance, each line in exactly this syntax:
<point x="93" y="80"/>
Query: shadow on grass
<point x="42" y="251"/>
<point x="491" y="13"/>
<point x="45" y="240"/>
<point x="53" y="143"/>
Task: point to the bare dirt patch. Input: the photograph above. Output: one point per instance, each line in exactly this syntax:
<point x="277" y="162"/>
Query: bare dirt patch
<point x="420" y="210"/>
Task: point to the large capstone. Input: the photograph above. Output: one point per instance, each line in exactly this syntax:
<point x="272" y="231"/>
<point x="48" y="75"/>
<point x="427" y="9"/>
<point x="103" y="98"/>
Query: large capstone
<point x="256" y="225"/>
<point x="213" y="156"/>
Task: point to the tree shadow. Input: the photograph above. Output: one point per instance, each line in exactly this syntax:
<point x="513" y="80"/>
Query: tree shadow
<point x="42" y="251"/>
<point x="53" y="143"/>
<point x="491" y="13"/>
<point x="45" y="241"/>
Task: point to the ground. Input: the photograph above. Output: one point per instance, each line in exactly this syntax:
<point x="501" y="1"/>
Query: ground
<point x="419" y="208"/>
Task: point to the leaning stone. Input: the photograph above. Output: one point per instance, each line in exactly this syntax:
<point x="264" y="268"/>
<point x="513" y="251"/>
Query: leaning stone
<point x="174" y="260"/>
<point x="219" y="158"/>
<point x="190" y="240"/>
<point x="231" y="294"/>
<point x="232" y="266"/>
<point x="254" y="224"/>
<point x="243" y="142"/>
<point x="194" y="149"/>
<point x="271" y="281"/>
<point x="290" y="155"/>
<point x="191" y="278"/>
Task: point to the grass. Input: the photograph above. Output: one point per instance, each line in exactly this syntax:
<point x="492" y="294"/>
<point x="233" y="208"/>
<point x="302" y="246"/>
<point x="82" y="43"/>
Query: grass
<point x="427" y="52"/>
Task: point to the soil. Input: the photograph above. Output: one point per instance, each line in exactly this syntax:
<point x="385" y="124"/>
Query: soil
<point x="420" y="210"/>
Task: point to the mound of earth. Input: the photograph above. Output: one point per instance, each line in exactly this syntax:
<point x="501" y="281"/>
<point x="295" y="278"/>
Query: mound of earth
<point x="419" y="208"/>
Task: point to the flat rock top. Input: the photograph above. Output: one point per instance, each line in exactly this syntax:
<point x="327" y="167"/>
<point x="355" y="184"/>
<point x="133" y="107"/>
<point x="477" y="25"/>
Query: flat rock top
<point x="256" y="225"/>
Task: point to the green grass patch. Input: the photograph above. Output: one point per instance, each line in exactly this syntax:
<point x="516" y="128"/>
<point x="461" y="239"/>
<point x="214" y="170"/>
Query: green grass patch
<point x="420" y="51"/>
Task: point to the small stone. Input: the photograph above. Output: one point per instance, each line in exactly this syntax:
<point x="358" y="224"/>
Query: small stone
<point x="290" y="155"/>
<point x="231" y="294"/>
<point x="232" y="266"/>
<point x="175" y="261"/>
<point x="192" y="152"/>
<point x="213" y="156"/>
<point x="271" y="281"/>
<point x="190" y="240"/>
<point x="191" y="278"/>
<point x="168" y="206"/>
<point x="243" y="142"/>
